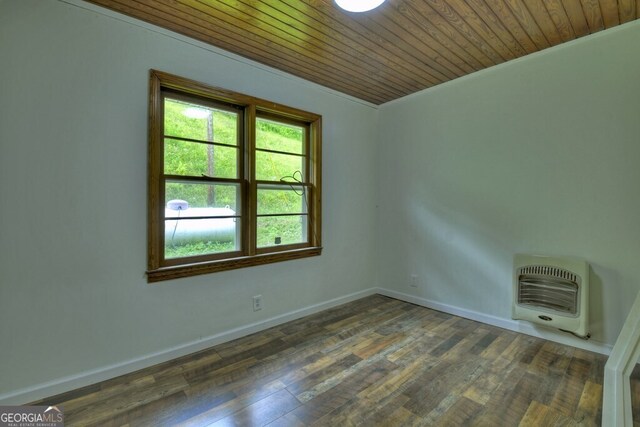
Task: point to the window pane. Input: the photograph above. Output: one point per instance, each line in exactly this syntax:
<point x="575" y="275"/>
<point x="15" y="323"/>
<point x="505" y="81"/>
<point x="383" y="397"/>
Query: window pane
<point x="281" y="200"/>
<point x="279" y="136"/>
<point x="191" y="237"/>
<point x="273" y="166"/>
<point x="194" y="159"/>
<point x="281" y="230"/>
<point x="201" y="199"/>
<point x="188" y="120"/>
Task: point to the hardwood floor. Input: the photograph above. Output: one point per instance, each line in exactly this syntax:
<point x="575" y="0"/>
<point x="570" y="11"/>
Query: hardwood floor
<point x="375" y="361"/>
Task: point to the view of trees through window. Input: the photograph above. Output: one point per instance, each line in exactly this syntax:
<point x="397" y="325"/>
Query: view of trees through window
<point x="203" y="141"/>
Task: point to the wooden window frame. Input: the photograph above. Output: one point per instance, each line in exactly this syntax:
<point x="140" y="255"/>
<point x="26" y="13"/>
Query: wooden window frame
<point x="159" y="268"/>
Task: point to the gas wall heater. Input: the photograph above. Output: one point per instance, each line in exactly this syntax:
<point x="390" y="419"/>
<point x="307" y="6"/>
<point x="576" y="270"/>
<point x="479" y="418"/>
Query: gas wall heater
<point x="553" y="292"/>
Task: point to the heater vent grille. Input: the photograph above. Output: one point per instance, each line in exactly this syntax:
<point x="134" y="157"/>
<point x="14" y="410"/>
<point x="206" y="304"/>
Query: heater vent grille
<point x="544" y="270"/>
<point x="556" y="294"/>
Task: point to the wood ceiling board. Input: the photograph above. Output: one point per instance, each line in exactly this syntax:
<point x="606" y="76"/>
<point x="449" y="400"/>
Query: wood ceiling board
<point x="500" y="8"/>
<point x="456" y="20"/>
<point x="402" y="47"/>
<point x="610" y="10"/>
<point x="407" y="19"/>
<point x="490" y="18"/>
<point x="544" y="21"/>
<point x="576" y="17"/>
<point x="383" y="44"/>
<point x="435" y="22"/>
<point x="365" y="48"/>
<point x="252" y="46"/>
<point x="627" y="10"/>
<point x="521" y="12"/>
<point x="284" y="26"/>
<point x="411" y="44"/>
<point x="560" y="19"/>
<point x="593" y="14"/>
<point x="272" y="31"/>
<point x="474" y="21"/>
<point x="345" y="48"/>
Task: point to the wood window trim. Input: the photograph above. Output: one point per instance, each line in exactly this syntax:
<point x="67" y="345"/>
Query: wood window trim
<point x="158" y="269"/>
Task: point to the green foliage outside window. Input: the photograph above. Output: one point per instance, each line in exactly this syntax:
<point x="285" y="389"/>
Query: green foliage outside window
<point x="188" y="158"/>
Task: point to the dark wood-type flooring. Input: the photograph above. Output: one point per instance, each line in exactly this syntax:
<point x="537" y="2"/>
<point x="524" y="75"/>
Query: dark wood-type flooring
<point x="373" y="362"/>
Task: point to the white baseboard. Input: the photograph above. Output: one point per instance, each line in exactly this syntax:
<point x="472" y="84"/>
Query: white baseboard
<point x="51" y="388"/>
<point x="512" y="325"/>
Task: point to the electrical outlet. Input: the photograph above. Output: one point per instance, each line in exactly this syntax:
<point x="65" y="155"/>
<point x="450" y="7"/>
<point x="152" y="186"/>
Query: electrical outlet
<point x="257" y="303"/>
<point x="413" y="282"/>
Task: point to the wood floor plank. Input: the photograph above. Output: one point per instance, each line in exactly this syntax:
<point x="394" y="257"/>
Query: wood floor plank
<point x="109" y="408"/>
<point x="500" y="399"/>
<point x="402" y="417"/>
<point x="262" y="412"/>
<point x="437" y="396"/>
<point x="324" y="403"/>
<point x="372" y="362"/>
<point x="384" y="395"/>
<point x="499" y="345"/>
<point x="493" y="376"/>
<point x="541" y="415"/>
<point x="552" y="359"/>
<point x="313" y="382"/>
<point x="522" y="349"/>
<point x="154" y="413"/>
<point x="250" y="342"/>
<point x="381" y="344"/>
<point x="399" y="379"/>
<point x="336" y="380"/>
<point x="484" y="342"/>
<point x="567" y="396"/>
<point x="221" y="373"/>
<point x="579" y="368"/>
<point x="462" y="413"/>
<point x="238" y="403"/>
<point x="287" y="420"/>
<point x="590" y="407"/>
<point x="102" y="394"/>
<point x="422" y="344"/>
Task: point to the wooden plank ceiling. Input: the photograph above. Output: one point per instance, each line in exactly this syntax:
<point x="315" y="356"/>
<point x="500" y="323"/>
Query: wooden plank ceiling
<point x="399" y="48"/>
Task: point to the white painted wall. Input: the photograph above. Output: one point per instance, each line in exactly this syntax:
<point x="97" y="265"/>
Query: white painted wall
<point x="73" y="154"/>
<point x="540" y="155"/>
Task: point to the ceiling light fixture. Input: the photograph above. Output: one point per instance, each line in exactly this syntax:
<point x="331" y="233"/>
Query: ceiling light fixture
<point x="358" y="5"/>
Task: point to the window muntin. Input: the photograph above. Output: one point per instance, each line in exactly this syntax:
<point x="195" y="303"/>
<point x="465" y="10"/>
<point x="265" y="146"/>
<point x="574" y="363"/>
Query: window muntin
<point x="234" y="181"/>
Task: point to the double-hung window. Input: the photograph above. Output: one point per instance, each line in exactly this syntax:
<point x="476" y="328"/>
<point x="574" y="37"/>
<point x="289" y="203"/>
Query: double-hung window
<point x="234" y="181"/>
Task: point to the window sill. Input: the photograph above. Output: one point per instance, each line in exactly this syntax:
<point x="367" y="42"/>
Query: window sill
<point x="168" y="273"/>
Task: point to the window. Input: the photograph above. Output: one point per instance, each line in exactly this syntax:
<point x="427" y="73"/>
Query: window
<point x="234" y="181"/>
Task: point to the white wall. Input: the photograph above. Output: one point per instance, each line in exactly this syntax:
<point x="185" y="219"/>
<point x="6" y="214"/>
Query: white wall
<point x="73" y="153"/>
<point x="539" y="155"/>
